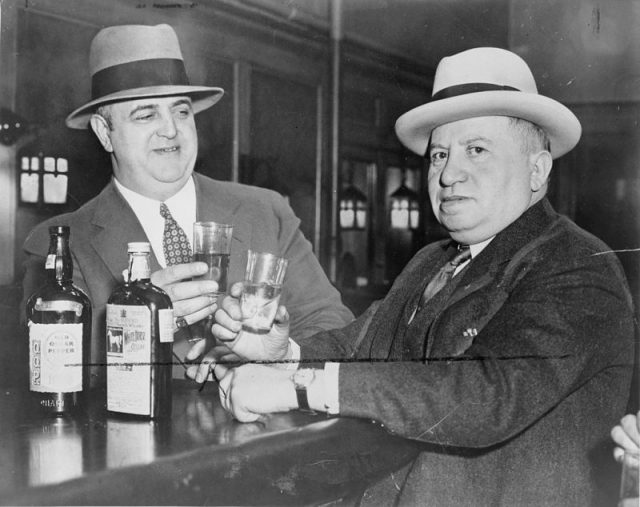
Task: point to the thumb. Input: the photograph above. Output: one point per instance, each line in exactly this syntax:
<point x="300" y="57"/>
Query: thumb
<point x="282" y="316"/>
<point x="243" y="415"/>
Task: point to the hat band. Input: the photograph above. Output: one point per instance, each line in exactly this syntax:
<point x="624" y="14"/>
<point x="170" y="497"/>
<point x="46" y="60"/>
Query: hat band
<point x="138" y="74"/>
<point x="466" y="88"/>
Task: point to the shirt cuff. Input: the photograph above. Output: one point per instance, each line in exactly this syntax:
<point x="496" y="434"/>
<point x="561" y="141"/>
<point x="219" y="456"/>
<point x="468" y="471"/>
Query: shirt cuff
<point x="294" y="361"/>
<point x="331" y="388"/>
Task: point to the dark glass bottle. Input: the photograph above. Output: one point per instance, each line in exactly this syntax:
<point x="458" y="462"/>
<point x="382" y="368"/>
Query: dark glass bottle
<point x="59" y="318"/>
<point x="139" y="342"/>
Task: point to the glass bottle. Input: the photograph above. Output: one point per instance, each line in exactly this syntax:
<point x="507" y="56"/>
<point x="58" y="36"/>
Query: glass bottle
<point x="139" y="342"/>
<point x="59" y="319"/>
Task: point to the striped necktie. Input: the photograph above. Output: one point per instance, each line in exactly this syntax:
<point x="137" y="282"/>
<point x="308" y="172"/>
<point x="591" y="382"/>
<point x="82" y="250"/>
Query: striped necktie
<point x="175" y="243"/>
<point x="444" y="276"/>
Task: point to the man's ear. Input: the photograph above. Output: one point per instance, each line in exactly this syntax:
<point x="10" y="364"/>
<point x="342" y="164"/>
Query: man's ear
<point x="541" y="163"/>
<point x="102" y="131"/>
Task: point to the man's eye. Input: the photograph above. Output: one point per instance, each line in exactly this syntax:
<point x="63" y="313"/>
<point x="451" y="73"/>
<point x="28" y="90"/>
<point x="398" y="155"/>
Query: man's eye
<point x="184" y="113"/>
<point x="476" y="150"/>
<point x="438" y="157"/>
<point x="143" y="116"/>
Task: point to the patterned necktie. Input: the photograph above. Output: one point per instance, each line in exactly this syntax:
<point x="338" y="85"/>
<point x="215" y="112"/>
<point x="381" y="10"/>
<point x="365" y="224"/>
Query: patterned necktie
<point x="175" y="243"/>
<point x="444" y="276"/>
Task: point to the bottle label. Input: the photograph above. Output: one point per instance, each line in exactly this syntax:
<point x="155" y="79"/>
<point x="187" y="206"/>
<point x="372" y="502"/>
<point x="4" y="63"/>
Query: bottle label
<point x="128" y="359"/>
<point x="165" y="321"/>
<point x="58" y="306"/>
<point x="55" y="357"/>
<point x="50" y="263"/>
<point x="138" y="273"/>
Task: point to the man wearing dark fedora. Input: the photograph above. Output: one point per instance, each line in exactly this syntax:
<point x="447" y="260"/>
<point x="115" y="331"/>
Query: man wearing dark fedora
<point x="142" y="111"/>
<point x="505" y="351"/>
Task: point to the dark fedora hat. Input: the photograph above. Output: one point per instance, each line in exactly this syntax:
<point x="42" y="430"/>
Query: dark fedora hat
<point x="137" y="61"/>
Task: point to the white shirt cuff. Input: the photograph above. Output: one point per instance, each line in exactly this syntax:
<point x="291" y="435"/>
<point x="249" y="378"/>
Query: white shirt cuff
<point x="331" y="388"/>
<point x="294" y="361"/>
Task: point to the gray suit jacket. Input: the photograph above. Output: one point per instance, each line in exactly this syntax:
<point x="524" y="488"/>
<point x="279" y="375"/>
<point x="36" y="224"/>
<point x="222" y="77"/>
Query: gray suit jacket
<point x="510" y="381"/>
<point x="262" y="220"/>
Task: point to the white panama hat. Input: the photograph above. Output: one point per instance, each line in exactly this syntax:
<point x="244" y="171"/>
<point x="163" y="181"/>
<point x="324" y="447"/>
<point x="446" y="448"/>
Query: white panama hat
<point x="487" y="82"/>
<point x="136" y="61"/>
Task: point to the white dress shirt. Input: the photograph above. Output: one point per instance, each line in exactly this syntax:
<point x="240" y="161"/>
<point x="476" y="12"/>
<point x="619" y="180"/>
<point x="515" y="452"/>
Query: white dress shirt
<point x="182" y="206"/>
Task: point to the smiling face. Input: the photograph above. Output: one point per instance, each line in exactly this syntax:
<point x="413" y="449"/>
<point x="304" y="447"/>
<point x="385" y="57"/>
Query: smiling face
<point x="153" y="143"/>
<point x="483" y="174"/>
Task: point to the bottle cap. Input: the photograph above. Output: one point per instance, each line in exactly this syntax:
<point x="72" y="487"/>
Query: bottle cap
<point x="59" y="230"/>
<point x="139" y="247"/>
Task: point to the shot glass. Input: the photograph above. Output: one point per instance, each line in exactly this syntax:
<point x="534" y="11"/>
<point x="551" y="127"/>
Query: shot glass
<point x="261" y="293"/>
<point x="630" y="479"/>
<point x="212" y="245"/>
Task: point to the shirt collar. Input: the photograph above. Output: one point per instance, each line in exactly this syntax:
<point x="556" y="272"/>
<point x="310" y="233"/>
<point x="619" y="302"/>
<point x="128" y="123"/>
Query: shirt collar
<point x="479" y="247"/>
<point x="175" y="203"/>
<point x="182" y="206"/>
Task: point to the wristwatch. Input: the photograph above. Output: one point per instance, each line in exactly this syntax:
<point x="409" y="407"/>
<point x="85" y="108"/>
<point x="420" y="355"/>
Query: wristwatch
<point x="302" y="378"/>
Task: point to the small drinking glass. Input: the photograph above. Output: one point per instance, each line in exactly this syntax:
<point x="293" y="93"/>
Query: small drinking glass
<point x="261" y="291"/>
<point x="212" y="245"/>
<point x="629" y="480"/>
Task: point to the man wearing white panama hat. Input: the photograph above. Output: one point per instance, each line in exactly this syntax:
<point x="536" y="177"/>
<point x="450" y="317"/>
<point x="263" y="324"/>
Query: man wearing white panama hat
<point x="142" y="111"/>
<point x="509" y="363"/>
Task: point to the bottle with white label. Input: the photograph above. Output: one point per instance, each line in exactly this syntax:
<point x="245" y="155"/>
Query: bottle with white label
<point x="59" y="319"/>
<point x="139" y="342"/>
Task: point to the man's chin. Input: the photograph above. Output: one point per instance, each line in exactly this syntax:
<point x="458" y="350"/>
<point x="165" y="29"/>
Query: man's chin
<point x="172" y="176"/>
<point x="461" y="232"/>
<point x="455" y="224"/>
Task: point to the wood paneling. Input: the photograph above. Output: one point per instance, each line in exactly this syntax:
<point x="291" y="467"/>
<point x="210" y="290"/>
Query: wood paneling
<point x="284" y="135"/>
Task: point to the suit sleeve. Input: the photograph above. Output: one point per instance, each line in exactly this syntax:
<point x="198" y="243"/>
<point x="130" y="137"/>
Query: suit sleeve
<point x="557" y="329"/>
<point x="313" y="303"/>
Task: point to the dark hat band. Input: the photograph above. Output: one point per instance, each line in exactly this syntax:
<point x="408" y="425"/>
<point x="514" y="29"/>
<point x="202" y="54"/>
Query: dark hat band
<point x="138" y="74"/>
<point x="466" y="88"/>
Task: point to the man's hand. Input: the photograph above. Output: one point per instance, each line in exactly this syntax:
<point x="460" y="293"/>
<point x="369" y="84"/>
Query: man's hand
<point x="251" y="390"/>
<point x="235" y="345"/>
<point x="193" y="300"/>
<point x="626" y="435"/>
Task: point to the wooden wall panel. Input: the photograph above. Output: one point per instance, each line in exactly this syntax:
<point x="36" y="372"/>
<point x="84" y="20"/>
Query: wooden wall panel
<point x="283" y="135"/>
<point x="215" y="125"/>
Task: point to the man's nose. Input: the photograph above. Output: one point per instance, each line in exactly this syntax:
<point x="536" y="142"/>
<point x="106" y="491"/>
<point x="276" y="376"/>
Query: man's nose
<point x="168" y="127"/>
<point x="454" y="171"/>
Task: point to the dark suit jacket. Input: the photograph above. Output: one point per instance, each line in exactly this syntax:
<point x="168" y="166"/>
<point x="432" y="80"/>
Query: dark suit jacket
<point x="512" y="384"/>
<point x="262" y="220"/>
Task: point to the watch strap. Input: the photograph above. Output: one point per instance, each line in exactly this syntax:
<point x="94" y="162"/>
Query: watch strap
<point x="303" y="400"/>
<point x="302" y="378"/>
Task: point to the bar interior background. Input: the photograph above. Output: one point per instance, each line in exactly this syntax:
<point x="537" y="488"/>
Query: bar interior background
<point x="312" y="93"/>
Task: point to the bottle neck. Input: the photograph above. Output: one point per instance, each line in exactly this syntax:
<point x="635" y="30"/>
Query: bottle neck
<point x="59" y="264"/>
<point x="139" y="267"/>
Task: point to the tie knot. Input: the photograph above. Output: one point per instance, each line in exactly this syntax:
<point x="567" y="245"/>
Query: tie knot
<point x="463" y="255"/>
<point x="164" y="211"/>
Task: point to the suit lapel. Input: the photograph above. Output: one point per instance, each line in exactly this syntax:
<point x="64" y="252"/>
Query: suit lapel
<point x="116" y="225"/>
<point x="386" y="335"/>
<point x="214" y="204"/>
<point x="486" y="266"/>
<point x="485" y="271"/>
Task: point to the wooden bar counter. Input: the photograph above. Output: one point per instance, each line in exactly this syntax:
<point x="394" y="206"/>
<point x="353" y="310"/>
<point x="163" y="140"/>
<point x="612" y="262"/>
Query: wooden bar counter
<point x="200" y="456"/>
